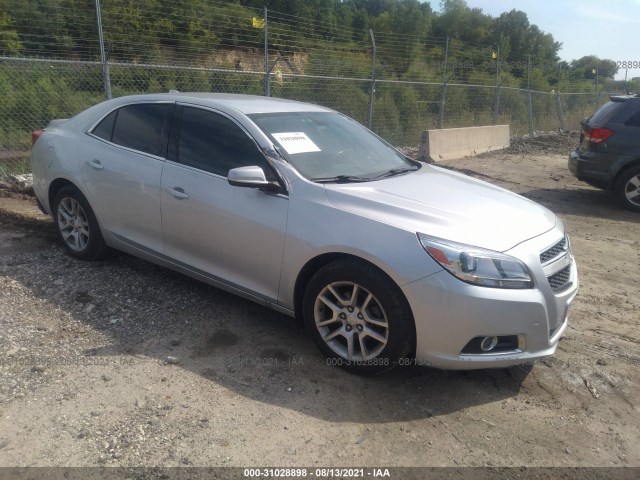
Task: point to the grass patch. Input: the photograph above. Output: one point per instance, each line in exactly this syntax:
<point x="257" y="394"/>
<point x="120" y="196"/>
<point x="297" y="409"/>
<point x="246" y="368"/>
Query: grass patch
<point x="19" y="166"/>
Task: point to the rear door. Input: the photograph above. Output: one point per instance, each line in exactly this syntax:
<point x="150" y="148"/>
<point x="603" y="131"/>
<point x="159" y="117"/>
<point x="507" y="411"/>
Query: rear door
<point x="626" y="141"/>
<point x="122" y="171"/>
<point x="230" y="234"/>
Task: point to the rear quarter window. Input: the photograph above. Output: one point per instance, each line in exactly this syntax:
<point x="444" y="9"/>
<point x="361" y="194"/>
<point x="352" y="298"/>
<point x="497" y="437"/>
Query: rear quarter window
<point x="104" y="129"/>
<point x="604" y="113"/>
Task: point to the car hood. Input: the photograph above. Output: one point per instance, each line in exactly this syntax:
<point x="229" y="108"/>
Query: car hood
<point x="447" y="205"/>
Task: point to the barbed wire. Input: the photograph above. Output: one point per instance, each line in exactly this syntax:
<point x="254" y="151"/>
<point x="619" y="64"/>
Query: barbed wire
<point x="53" y="69"/>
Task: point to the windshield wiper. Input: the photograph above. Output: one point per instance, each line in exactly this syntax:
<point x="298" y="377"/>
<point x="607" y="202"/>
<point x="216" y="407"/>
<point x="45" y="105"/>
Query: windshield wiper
<point x="394" y="171"/>
<point x="355" y="178"/>
<point x="340" y="179"/>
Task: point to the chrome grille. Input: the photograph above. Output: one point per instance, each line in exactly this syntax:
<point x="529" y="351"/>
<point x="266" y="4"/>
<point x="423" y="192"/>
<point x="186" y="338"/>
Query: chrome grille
<point x="553" y="252"/>
<point x="559" y="280"/>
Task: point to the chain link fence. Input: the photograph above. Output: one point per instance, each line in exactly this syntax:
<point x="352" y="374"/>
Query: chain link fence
<point x="79" y="53"/>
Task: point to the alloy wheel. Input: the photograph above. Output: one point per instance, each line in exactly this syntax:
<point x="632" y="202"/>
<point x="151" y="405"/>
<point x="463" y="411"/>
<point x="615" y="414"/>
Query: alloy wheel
<point x="73" y="224"/>
<point x="632" y="190"/>
<point x="351" y="321"/>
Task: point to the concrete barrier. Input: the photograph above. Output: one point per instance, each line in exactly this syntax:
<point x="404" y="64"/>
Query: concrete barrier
<point x="445" y="144"/>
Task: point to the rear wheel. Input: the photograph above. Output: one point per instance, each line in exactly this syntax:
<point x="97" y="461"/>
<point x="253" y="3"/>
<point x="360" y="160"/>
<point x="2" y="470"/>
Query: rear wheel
<point x="77" y="225"/>
<point x="628" y="189"/>
<point x="358" y="317"/>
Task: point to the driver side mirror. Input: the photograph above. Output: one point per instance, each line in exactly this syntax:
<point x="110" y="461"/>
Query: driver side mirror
<point x="252" y="177"/>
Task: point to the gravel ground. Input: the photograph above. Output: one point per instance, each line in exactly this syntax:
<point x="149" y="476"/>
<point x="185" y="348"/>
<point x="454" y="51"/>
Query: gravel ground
<point x="123" y="363"/>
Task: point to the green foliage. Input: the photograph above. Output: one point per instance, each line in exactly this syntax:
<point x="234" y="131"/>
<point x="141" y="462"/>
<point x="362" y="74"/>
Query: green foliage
<point x="387" y="118"/>
<point x="189" y="32"/>
<point x="31" y="97"/>
<point x="9" y="40"/>
<point x="588" y="66"/>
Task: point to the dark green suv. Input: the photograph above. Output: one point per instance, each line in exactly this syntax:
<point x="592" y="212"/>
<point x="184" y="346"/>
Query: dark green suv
<point x="608" y="156"/>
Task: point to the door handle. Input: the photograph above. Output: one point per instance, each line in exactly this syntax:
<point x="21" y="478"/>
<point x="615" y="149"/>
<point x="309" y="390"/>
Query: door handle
<point x="95" y="164"/>
<point x="178" y="193"/>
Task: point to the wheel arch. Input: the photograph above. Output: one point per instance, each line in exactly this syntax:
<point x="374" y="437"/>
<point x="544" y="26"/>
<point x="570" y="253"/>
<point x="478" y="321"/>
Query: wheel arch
<point x="627" y="166"/>
<point x="96" y="247"/>
<point x="620" y="186"/>
<point x="55" y="186"/>
<point x="315" y="264"/>
<point x="58" y="184"/>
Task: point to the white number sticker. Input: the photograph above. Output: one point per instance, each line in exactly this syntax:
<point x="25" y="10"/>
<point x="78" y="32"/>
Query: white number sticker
<point x="295" y="142"/>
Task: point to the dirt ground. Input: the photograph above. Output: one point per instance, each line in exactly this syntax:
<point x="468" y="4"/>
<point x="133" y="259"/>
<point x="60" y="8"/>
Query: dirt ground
<point x="123" y="363"/>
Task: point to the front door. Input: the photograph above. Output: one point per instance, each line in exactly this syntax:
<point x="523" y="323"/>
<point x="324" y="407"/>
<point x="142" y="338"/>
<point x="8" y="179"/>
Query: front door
<point x="233" y="234"/>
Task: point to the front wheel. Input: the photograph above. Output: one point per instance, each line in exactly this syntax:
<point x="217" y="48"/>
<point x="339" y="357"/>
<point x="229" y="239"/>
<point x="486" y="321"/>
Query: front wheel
<point x="77" y="225"/>
<point x="358" y="317"/>
<point x="628" y="189"/>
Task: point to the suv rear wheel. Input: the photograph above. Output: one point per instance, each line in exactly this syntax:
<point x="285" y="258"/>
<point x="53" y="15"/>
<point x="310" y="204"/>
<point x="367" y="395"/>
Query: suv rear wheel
<point x="627" y="189"/>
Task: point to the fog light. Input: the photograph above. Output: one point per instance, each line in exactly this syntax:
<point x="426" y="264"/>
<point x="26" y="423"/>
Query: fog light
<point x="488" y="343"/>
<point x="493" y="344"/>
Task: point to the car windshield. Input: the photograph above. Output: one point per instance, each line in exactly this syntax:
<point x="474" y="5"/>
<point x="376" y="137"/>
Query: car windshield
<point x="330" y="147"/>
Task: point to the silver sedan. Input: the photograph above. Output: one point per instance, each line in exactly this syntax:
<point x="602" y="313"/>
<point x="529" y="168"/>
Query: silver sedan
<point x="297" y="207"/>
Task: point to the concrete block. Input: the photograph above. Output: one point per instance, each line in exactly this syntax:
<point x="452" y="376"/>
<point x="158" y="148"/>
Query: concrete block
<point x="445" y="144"/>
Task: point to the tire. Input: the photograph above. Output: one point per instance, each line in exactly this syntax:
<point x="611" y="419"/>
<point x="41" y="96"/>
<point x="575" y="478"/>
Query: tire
<point x="367" y="336"/>
<point x="77" y="226"/>
<point x="627" y="189"/>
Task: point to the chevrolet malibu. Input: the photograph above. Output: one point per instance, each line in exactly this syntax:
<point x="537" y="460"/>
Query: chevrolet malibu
<point x="386" y="260"/>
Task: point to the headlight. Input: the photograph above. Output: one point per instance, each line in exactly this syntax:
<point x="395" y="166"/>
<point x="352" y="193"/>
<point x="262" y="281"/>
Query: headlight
<point x="477" y="266"/>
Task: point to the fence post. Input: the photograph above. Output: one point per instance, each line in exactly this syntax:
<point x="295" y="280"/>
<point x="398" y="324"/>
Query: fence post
<point x="372" y="93"/>
<point x="559" y="102"/>
<point x="560" y="112"/>
<point x="496" y="104"/>
<point x="597" y="85"/>
<point x="106" y="78"/>
<point x="267" y="80"/>
<point x="443" y="91"/>
<point x="529" y="105"/>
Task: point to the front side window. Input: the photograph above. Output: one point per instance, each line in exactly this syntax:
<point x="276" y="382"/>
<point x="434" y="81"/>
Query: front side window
<point x="325" y="146"/>
<point x="140" y="127"/>
<point x="213" y="143"/>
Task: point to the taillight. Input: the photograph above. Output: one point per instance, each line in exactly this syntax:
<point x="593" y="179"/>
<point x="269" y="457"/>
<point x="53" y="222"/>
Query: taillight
<point x="597" y="135"/>
<point x="35" y="135"/>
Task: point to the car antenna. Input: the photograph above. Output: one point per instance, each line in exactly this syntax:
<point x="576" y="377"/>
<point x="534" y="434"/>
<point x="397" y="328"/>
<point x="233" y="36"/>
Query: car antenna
<point x="626" y="86"/>
<point x="173" y="90"/>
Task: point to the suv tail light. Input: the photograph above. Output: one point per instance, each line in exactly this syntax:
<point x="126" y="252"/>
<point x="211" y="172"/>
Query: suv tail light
<point x="597" y="135"/>
<point x="35" y="135"/>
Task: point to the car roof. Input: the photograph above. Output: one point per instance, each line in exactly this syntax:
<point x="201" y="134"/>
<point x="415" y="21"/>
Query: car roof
<point x="623" y="98"/>
<point x="246" y="104"/>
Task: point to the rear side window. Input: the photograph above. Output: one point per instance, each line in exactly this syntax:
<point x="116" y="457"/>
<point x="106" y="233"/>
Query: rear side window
<point x="142" y="127"/>
<point x="215" y="144"/>
<point x="104" y="129"/>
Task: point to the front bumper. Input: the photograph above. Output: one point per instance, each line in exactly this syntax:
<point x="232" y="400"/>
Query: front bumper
<point x="449" y="313"/>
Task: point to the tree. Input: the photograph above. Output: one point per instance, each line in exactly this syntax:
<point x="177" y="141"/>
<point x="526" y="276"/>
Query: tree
<point x="455" y="19"/>
<point x="524" y="39"/>
<point x="9" y="40"/>
<point x="587" y="64"/>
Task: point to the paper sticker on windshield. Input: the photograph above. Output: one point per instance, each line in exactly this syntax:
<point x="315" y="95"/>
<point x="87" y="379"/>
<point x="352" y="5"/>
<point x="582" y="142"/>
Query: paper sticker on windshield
<point x="295" y="142"/>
